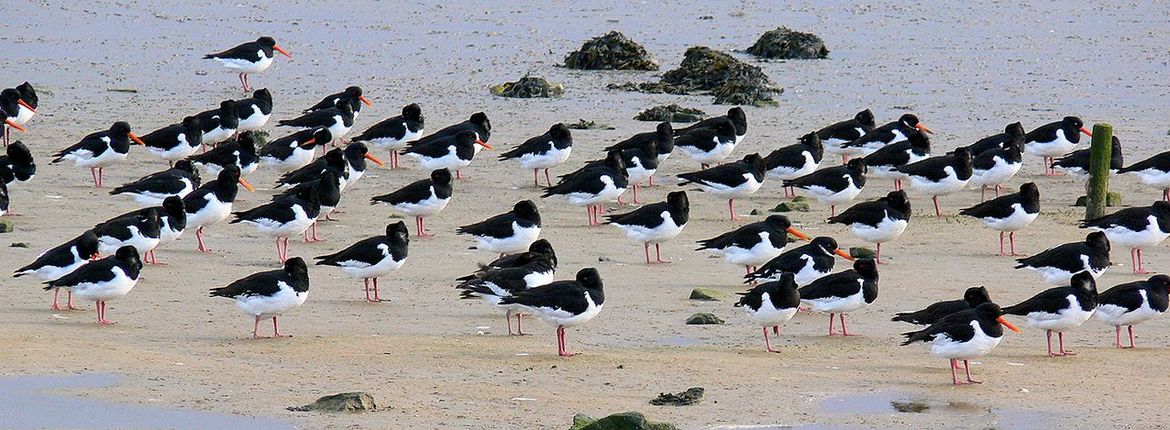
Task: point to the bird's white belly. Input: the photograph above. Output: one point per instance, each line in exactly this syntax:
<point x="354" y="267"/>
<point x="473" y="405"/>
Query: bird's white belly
<point x="836" y="305"/>
<point x="521" y="238"/>
<point x="432" y="205"/>
<point x="245" y="66"/>
<point x="768" y="315"/>
<point x="552" y="158"/>
<point x="663" y="232"/>
<point x="886" y="230"/>
<point x="1016" y="221"/>
<point x="979" y="345"/>
<point x="384" y="267"/>
<point x="947" y="185"/>
<point x="737" y="192"/>
<point x="115" y="288"/>
<point x="297" y="225"/>
<point x="1067" y="319"/>
<point x="278" y="304"/>
<point x="214" y="212"/>
<point x="1126" y="238"/>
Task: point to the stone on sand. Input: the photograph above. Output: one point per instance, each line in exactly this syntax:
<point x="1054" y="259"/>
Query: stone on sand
<point x="704" y="318"/>
<point x="622" y="421"/>
<point x="785" y="44"/>
<point x="342" y="402"/>
<point x="705" y="294"/>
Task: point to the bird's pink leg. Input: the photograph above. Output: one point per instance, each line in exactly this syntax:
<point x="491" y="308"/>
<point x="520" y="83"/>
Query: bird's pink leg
<point x="279" y="253"/>
<point x="1048" y="333"/>
<point x="776" y="330"/>
<point x="57" y="291"/>
<point x="878" y="254"/>
<point x="997" y="187"/>
<point x="646" y="247"/>
<point x="937" y="212"/>
<point x="1140" y="267"/>
<point x="1001" y="243"/>
<point x="954" y="374"/>
<point x="768" y="343"/>
<point x="1012" y="238"/>
<point x="1117" y="334"/>
<point x="422" y="227"/>
<point x="1131" y="345"/>
<point x="366" y="285"/>
<point x="69" y="301"/>
<point x="377" y="298"/>
<point x="276" y="330"/>
<point x="658" y="251"/>
<point x="1060" y="337"/>
<point x="967" y="366"/>
<point x="547" y="178"/>
<point x="93" y="172"/>
<point x="199" y="238"/>
<point x="256" y="328"/>
<point x="831" y="316"/>
<point x="102" y="313"/>
<point x="982" y="193"/>
<point x="519" y="330"/>
<point x="636" y="194"/>
<point x="536" y="178"/>
<point x="844" y="330"/>
<point x="731" y="209"/>
<point x="832" y="210"/>
<point x="564" y="349"/>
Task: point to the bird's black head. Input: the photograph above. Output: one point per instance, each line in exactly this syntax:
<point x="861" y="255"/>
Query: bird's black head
<point x="909" y="120"/>
<point x="664" y="137"/>
<point x="345" y="105"/>
<point x="813" y="140"/>
<point x="120" y="128"/>
<point x="321" y="136"/>
<point x="1160" y="282"/>
<point x="526" y="209"/>
<point x="787" y="281"/>
<point x="266" y="41"/>
<point x="542" y="246"/>
<point x="173" y="205"/>
<point x="10" y="95"/>
<point x="1014" y="129"/>
<point x="826" y="243"/>
<point x="356" y="151"/>
<point x="310" y="195"/>
<point x="441" y="177"/>
<point x="962" y="156"/>
<point x="920" y="142"/>
<point x="1029" y="191"/>
<point x="229" y="174"/>
<point x="1098" y="241"/>
<point x="589" y="278"/>
<point x="857" y="166"/>
<point x="353" y="91"/>
<point x="898" y="200"/>
<point x="87" y="245"/>
<point x="247" y="141"/>
<point x="560" y="132"/>
<point x="678" y="200"/>
<point x="1115" y="146"/>
<point x="296" y="267"/>
<point x="866" y="267"/>
<point x="614" y="160"/>
<point x="988" y="310"/>
<point x="1084" y="281"/>
<point x="756" y="161"/>
<point x="192" y="123"/>
<point x="738" y="118"/>
<point x="227" y="106"/>
<point x="1015" y="145"/>
<point x="397" y="230"/>
<point x="148" y="217"/>
<point x="778" y="222"/>
<point x="262" y="94"/>
<point x="1161" y="208"/>
<point x="19" y="154"/>
<point x="664" y="128"/>
<point x="481" y="119"/>
<point x="976" y="296"/>
<point x="465" y="138"/>
<point x="335" y="157"/>
<point x="865" y="118"/>
<point x="725" y="128"/>
<point x="1072" y="122"/>
<point x="649" y="149"/>
<point x="412" y="112"/>
<point x="28" y="93"/>
<point x="128" y="254"/>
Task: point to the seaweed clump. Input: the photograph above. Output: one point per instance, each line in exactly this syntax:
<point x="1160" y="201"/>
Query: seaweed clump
<point x="528" y="87"/>
<point x="612" y="51"/>
<point x="785" y="44"/>
<point x="670" y="113"/>
<point x="703" y="69"/>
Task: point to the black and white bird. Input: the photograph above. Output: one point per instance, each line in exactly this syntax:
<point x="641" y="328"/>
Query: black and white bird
<point x="338" y="119"/>
<point x="28" y="95"/>
<point x="507" y="233"/>
<point x="452" y="152"/>
<point x="794" y="161"/>
<point x="356" y="154"/>
<point x="1133" y="303"/>
<point x="269" y="294"/>
<point x="254" y="112"/>
<point x="1059" y="264"/>
<point x="640" y="165"/>
<point x="1135" y="228"/>
<point x="294" y="151"/>
<point x="973" y="297"/>
<point x="771" y="304"/>
<point x="3" y="199"/>
<point x="352" y="92"/>
<point x="1076" y="163"/>
<point x="877" y="221"/>
<point x="1011" y="132"/>
<point x="477" y="123"/>
<point x="17" y="168"/>
<point x="808" y="262"/>
<point x="328" y="190"/>
<point x="993" y="167"/>
<point x="708" y="145"/>
<point x="1060" y="309"/>
<point x="239" y="152"/>
<point x="885" y="161"/>
<point x="833" y="185"/>
<point x="964" y="335"/>
<point x="754" y="244"/>
<point x="834" y="135"/>
<point x="1153" y="171"/>
<point x="420" y="199"/>
<point x="541" y="247"/>
<point x="662" y="137"/>
<point x="219" y="124"/>
<point x="172" y="217"/>
<point x="176" y="141"/>
<point x="1008" y="214"/>
<point x="211" y="203"/>
<point x="940" y="175"/>
<point x="62" y="260"/>
<point x="12" y="105"/>
<point x="493" y="285"/>
<point x="842" y="292"/>
<point x="593" y="186"/>
<point x="372" y="258"/>
<point x="737" y="117"/>
<point x="102" y="280"/>
<point x="141" y="229"/>
<point x="152" y="189"/>
<point x="284" y="217"/>
<point x="248" y="58"/>
<point x="543" y="152"/>
<point x="731" y="181"/>
<point x="333" y="161"/>
<point x="887" y="134"/>
<point x="392" y="134"/>
<point x="563" y="303"/>
<point x="99" y="150"/>
<point x="1053" y="139"/>
<point x="655" y="223"/>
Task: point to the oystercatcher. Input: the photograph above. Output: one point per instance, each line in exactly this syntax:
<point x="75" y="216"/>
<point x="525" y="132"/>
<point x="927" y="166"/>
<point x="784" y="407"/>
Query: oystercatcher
<point x="1008" y="214"/>
<point x="709" y="144"/>
<point x="254" y="112"/>
<point x="1060" y="309"/>
<point x="29" y="95"/>
<point x="753" y="244"/>
<point x="172" y="218"/>
<point x="338" y="119"/>
<point x="996" y="165"/>
<point x="1058" y="265"/>
<point x="477" y="123"/>
<point x="662" y="137"/>
<point x="3" y="199"/>
<point x="62" y="260"/>
<point x="152" y="189"/>
<point x="563" y="303"/>
<point x="964" y="335"/>
<point x="730" y="181"/>
<point x="1153" y="171"/>
<point x="593" y="186"/>
<point x="102" y="280"/>
<point x="973" y="297"/>
<point x="887" y="134"/>
<point x="356" y="154"/>
<point x="294" y="151"/>
<point x="839" y="133"/>
<point x="833" y="185"/>
<point x="1052" y="139"/>
<point x="736" y="115"/>
<point x="1013" y="132"/>
<point x="543" y="152"/>
<point x="941" y="175"/>
<point x="842" y="292"/>
<point x="507" y="233"/>
<point x="219" y="124"/>
<point x="794" y="161"/>
<point x="1076" y="163"/>
<point x="640" y="165"/>
<point x="1135" y="228"/>
<point x="11" y="106"/>
<point x="353" y="92"/>
<point x="877" y="221"/>
<point x="333" y="161"/>
<point x="808" y="262"/>
<point x="421" y="199"/>
<point x="176" y="141"/>
<point x="452" y="152"/>
<point x="99" y="150"/>
<point x="269" y="294"/>
<point x="239" y="152"/>
<point x="493" y="285"/>
<point x="392" y="134"/>
<point x="211" y="203"/>
<point x="250" y="57"/>
<point x="17" y="167"/>
<point x="655" y="223"/>
<point x="1133" y="303"/>
<point x="884" y="162"/>
<point x="372" y="258"/>
<point x="539" y="248"/>
<point x="140" y="229"/>
<point x="771" y="304"/>
<point x="284" y="217"/>
<point x="328" y="190"/>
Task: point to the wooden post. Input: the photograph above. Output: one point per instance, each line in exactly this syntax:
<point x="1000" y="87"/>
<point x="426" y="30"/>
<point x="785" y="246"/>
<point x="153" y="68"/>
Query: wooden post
<point x="1099" y="170"/>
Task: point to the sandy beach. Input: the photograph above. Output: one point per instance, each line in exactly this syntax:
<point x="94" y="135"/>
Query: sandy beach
<point x="434" y="361"/>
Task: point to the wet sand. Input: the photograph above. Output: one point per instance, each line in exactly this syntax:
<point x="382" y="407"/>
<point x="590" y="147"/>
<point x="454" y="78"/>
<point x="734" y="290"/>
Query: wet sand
<point x="966" y="69"/>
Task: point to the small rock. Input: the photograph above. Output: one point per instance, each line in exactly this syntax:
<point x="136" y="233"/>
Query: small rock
<point x="589" y="125"/>
<point x="783" y="43"/>
<point x="6" y="226"/>
<point x="627" y="421"/>
<point x="861" y="252"/>
<point x="343" y="402"/>
<point x="706" y="17"/>
<point x="705" y="294"/>
<point x="581" y="420"/>
<point x="612" y="51"/>
<point x="1112" y="199"/>
<point x="528" y="87"/>
<point x="261" y="137"/>
<point x="704" y="318"/>
<point x="603" y="259"/>
<point x="755" y="212"/>
<point x="672" y="113"/>
<point x="792" y="206"/>
<point x="18" y="245"/>
<point x="691" y="396"/>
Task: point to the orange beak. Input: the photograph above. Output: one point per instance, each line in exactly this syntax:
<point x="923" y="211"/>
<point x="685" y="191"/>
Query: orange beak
<point x="483" y="144"/>
<point x="14" y="125"/>
<point x="923" y="129"/>
<point x="1086" y="132"/>
<point x="23" y="103"/>
<point x="844" y="254"/>
<point x="375" y="160"/>
<point x="366" y="101"/>
<point x="793" y="231"/>
<point x="282" y="51"/>
<point x="246" y="185"/>
<point x="136" y="139"/>
<point x="1007" y="324"/>
<point x="311" y="141"/>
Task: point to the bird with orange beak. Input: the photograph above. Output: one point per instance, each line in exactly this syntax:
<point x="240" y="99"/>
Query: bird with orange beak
<point x="251" y="57"/>
<point x="1055" y="139"/>
<point x="964" y="335"/>
<point x="10" y="107"/>
<point x="100" y="150"/>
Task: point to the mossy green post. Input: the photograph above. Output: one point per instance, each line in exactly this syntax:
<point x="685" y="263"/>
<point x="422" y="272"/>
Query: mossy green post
<point x="1099" y="170"/>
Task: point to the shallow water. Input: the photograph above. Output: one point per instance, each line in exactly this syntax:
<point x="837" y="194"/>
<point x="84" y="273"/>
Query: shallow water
<point x="884" y="402"/>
